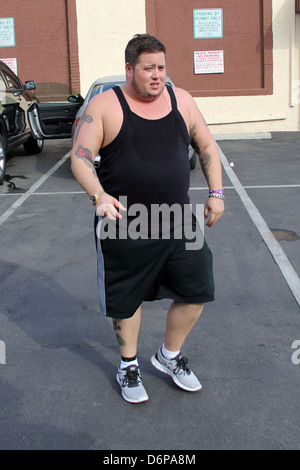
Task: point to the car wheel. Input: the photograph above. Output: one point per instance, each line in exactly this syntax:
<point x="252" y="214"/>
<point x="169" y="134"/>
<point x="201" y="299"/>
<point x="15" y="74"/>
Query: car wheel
<point x="33" y="146"/>
<point x="193" y="161"/>
<point x="2" y="158"/>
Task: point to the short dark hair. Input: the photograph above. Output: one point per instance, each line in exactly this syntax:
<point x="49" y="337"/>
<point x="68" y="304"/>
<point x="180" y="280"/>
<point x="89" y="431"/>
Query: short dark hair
<point x="139" y="44"/>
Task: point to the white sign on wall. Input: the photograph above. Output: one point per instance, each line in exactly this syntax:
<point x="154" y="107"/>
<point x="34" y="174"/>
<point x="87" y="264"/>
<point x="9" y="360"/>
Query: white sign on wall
<point x="7" y="32"/>
<point x="208" y="62"/>
<point x="12" y="64"/>
<point x="208" y="23"/>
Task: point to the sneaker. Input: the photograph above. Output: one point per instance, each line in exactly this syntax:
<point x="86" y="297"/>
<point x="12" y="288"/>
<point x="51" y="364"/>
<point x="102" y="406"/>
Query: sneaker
<point x="132" y="388"/>
<point x="178" y="369"/>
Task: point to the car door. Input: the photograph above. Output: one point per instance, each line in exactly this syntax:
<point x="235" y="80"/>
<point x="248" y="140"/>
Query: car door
<point x="53" y="120"/>
<point x="15" y="102"/>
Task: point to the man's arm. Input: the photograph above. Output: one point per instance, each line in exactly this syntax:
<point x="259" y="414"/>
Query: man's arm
<point x="206" y="149"/>
<point x="88" y="140"/>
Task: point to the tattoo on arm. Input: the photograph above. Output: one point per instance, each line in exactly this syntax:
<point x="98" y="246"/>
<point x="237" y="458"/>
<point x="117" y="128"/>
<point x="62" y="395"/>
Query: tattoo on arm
<point x="205" y="162"/>
<point x="84" y="118"/>
<point x="86" y="156"/>
<point x="204" y="157"/>
<point x="117" y="327"/>
<point x="193" y="140"/>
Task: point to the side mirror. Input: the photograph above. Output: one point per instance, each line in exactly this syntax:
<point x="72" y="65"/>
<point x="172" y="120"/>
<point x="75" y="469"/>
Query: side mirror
<point x="30" y="85"/>
<point x="75" y="99"/>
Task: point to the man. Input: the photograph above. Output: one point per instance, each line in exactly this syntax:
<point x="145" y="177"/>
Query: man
<point x="143" y="130"/>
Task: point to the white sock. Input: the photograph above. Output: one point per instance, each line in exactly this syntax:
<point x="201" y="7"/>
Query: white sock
<point x="124" y="364"/>
<point x="169" y="354"/>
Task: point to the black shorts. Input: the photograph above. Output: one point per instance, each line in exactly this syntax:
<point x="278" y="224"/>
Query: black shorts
<point x="133" y="271"/>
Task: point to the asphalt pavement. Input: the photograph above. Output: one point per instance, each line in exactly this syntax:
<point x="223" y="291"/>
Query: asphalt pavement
<point x="58" y="354"/>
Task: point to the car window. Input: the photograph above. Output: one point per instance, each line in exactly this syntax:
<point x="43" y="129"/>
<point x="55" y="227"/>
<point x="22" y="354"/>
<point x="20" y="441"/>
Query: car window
<point x="97" y="89"/>
<point x="108" y="86"/>
<point x="100" y="88"/>
<point x="12" y="83"/>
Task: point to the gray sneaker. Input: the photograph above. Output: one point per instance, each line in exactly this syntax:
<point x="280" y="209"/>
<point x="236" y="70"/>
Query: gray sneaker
<point x="178" y="369"/>
<point x="132" y="388"/>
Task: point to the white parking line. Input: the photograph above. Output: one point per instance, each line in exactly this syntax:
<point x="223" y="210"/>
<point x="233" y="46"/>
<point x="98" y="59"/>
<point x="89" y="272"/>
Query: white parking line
<point x="32" y="189"/>
<point x="265" y="186"/>
<point x="192" y="188"/>
<point x="274" y="247"/>
<point x="45" y="193"/>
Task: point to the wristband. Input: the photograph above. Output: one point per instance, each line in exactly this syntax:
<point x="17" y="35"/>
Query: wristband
<point x="218" y="196"/>
<point x="216" y="191"/>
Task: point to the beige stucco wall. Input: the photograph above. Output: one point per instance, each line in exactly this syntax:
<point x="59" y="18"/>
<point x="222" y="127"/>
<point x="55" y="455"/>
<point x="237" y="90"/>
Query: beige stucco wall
<point x="105" y="27"/>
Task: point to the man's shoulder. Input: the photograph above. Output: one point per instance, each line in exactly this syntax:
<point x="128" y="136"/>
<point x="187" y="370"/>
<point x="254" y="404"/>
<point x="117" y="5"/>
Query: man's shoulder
<point x="182" y="93"/>
<point x="105" y="97"/>
<point x="103" y="102"/>
<point x="184" y="98"/>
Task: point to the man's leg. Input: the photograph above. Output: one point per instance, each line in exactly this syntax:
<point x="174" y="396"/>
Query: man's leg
<point x="127" y="333"/>
<point x="181" y="320"/>
<point x="129" y="375"/>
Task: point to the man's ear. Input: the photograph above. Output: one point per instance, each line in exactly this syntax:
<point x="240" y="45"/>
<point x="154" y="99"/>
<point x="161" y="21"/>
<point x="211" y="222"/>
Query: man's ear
<point x="128" y="69"/>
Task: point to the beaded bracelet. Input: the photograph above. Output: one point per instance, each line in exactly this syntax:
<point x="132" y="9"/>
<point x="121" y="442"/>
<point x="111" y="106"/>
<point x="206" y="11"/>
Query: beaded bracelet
<point x="217" y="191"/>
<point x="219" y="196"/>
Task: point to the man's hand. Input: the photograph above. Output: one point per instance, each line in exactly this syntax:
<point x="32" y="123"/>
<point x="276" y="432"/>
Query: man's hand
<point x="213" y="210"/>
<point x="109" y="207"/>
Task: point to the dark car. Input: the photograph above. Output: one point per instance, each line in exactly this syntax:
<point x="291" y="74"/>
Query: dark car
<point x="15" y="99"/>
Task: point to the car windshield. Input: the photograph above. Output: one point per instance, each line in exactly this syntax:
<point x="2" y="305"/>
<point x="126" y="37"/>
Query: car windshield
<point x="100" y="88"/>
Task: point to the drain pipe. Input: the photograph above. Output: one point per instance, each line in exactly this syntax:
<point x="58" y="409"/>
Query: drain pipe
<point x="292" y="51"/>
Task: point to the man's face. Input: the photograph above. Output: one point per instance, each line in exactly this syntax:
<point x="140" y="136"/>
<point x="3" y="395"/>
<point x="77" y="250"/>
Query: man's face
<point x="148" y="77"/>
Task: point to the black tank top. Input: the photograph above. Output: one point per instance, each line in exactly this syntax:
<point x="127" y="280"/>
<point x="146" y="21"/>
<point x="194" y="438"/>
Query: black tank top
<point x="148" y="160"/>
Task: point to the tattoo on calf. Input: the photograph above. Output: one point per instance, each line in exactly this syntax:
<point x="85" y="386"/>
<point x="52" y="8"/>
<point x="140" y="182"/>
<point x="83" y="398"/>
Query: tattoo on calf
<point x="120" y="340"/>
<point x="116" y="325"/>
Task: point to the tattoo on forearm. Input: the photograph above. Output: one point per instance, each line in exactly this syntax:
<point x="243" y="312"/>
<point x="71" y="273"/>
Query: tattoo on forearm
<point x="86" y="156"/>
<point x="205" y="162"/>
<point x="84" y="118"/>
<point x="116" y="325"/>
<point x="193" y="134"/>
<point x="204" y="157"/>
